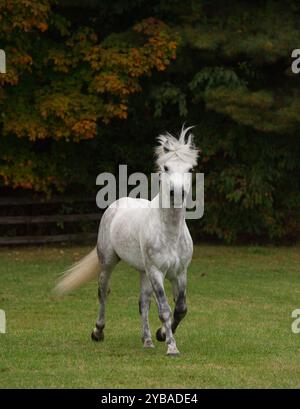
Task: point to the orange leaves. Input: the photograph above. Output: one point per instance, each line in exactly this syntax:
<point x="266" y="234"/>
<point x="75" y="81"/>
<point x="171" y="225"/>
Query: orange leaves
<point x="161" y="45"/>
<point x="42" y="26"/>
<point x="25" y="60"/>
<point x="68" y="116"/>
<point x="61" y="82"/>
<point x="109" y="82"/>
<point x="85" y="129"/>
<point x="112" y="83"/>
<point x="17" y="62"/>
<point x="114" y="111"/>
<point x="60" y="59"/>
<point x="112" y="74"/>
<point x="22" y="174"/>
<point x="95" y="78"/>
<point x="119" y="69"/>
<point x="20" y="18"/>
<point x="25" y="125"/>
<point x="56" y="103"/>
<point x="24" y="15"/>
<point x="11" y="77"/>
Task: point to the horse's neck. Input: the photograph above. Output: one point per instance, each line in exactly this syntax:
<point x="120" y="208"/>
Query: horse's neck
<point x="171" y="220"/>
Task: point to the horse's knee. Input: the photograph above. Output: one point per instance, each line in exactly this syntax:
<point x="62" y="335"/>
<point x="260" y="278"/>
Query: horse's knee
<point x="164" y="314"/>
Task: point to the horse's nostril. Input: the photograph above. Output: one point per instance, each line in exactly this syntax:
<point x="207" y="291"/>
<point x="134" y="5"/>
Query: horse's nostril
<point x="172" y="194"/>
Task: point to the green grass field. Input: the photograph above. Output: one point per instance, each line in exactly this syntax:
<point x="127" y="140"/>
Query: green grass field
<point x="237" y="333"/>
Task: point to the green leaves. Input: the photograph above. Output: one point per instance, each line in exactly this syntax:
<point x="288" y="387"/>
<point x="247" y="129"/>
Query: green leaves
<point x="213" y="77"/>
<point x="168" y="94"/>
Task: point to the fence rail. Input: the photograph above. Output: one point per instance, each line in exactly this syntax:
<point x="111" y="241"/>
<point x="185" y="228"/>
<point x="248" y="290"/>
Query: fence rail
<point x="17" y="201"/>
<point x="57" y="238"/>
<point x="48" y="218"/>
<point x="26" y="205"/>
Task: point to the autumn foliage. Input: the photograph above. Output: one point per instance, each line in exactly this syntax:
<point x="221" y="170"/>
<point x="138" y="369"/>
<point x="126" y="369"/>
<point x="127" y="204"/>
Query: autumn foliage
<point x="62" y="83"/>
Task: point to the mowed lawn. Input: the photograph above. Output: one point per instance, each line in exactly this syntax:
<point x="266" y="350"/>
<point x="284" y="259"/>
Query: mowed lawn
<point x="237" y="333"/>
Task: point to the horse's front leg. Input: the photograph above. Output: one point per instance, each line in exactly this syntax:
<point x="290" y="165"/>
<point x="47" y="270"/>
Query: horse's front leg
<point x="179" y="294"/>
<point x="164" y="310"/>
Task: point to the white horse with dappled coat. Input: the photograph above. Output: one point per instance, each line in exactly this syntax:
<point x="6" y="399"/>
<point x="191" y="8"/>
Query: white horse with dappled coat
<point x="151" y="237"/>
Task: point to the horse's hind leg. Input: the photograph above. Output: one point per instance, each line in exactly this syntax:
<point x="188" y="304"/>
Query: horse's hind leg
<point x="108" y="261"/>
<point x="144" y="306"/>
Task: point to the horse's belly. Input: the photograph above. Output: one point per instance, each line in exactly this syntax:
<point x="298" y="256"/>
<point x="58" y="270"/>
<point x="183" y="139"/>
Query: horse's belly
<point x="133" y="258"/>
<point x="124" y="236"/>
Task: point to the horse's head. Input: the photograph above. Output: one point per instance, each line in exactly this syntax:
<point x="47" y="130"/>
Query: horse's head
<point x="176" y="159"/>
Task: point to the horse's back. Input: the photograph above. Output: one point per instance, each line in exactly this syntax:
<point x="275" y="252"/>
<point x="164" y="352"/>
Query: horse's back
<point x="128" y="203"/>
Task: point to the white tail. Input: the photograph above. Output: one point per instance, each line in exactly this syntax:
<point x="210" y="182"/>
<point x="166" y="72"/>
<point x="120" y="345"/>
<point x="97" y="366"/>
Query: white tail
<point x="80" y="273"/>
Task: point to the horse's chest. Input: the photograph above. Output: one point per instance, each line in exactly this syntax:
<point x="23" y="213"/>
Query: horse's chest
<point x="175" y="265"/>
<point x="169" y="259"/>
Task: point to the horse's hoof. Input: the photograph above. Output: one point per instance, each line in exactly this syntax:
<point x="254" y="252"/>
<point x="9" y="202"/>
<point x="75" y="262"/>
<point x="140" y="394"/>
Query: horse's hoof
<point x="172" y="350"/>
<point x="160" y="336"/>
<point x="97" y="336"/>
<point x="148" y="344"/>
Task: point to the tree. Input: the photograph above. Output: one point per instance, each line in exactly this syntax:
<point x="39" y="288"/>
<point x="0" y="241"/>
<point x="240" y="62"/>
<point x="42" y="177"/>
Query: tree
<point x="84" y="80"/>
<point x="62" y="82"/>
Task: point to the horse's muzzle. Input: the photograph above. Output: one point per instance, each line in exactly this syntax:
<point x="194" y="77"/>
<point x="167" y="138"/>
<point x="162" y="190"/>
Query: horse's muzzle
<point x="179" y="196"/>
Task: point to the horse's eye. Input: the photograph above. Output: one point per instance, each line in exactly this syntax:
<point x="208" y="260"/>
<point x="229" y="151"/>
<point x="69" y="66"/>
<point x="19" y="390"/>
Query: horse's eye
<point x="190" y="170"/>
<point x="166" y="169"/>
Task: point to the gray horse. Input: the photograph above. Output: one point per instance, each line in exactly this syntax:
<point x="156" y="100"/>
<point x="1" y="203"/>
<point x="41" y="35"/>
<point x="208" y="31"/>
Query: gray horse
<point x="151" y="237"/>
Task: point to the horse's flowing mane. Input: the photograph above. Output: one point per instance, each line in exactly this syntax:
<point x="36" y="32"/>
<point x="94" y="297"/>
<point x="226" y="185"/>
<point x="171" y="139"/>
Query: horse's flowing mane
<point x="171" y="147"/>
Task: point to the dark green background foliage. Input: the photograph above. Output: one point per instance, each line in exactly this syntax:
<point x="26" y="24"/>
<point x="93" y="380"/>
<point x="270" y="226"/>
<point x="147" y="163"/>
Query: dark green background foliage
<point x="232" y="79"/>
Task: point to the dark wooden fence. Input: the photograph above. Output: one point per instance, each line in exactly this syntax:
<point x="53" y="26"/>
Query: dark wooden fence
<point x="19" y="215"/>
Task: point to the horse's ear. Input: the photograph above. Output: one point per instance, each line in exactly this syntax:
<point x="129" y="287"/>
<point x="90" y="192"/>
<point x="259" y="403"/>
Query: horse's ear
<point x="183" y="133"/>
